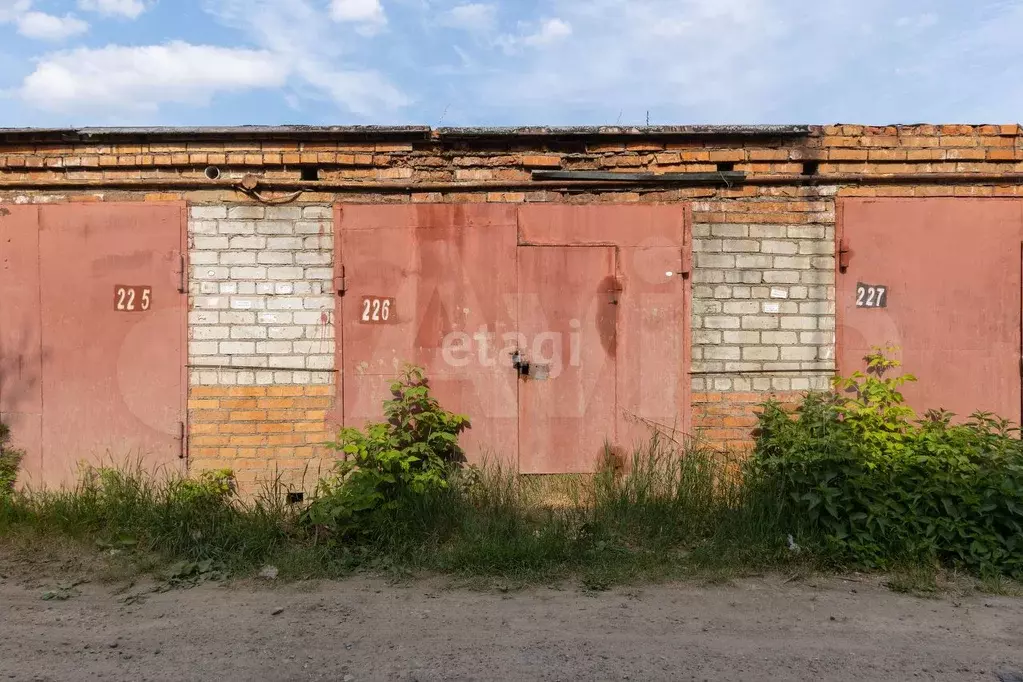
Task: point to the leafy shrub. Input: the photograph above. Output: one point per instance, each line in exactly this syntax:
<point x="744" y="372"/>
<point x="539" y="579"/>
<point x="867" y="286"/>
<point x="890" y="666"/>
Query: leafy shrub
<point x="215" y="486"/>
<point x="881" y="485"/>
<point x="10" y="462"/>
<point x="409" y="454"/>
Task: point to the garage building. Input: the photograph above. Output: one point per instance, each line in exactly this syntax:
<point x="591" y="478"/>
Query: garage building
<point x="203" y="298"/>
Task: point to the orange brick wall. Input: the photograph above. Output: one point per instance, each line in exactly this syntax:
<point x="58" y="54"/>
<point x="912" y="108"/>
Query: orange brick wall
<point x="263" y="433"/>
<point x="726" y="420"/>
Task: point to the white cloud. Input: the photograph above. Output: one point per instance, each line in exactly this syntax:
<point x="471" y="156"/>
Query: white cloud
<point x="42" y="26"/>
<point x="39" y="25"/>
<point x="684" y="60"/>
<point x="475" y="17"/>
<point x="549" y="31"/>
<point x="368" y="13"/>
<point x="118" y="78"/>
<point x="324" y="59"/>
<point x="362" y="92"/>
<point x="10" y="10"/>
<point x="124" y="8"/>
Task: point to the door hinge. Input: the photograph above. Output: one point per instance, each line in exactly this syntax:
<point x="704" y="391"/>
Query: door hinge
<point x="844" y="254"/>
<point x="181" y="274"/>
<point x="341" y="283"/>
<point x="182" y="443"/>
<point x="685" y="268"/>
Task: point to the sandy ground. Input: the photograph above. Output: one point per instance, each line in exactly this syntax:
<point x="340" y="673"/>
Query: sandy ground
<point x="368" y="629"/>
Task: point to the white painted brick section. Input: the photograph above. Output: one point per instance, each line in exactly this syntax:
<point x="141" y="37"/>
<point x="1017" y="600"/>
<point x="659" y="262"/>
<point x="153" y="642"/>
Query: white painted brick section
<point x="763" y="306"/>
<point x="260" y="284"/>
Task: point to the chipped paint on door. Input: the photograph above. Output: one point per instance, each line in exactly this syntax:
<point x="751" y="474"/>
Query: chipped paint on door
<point x="652" y="380"/>
<point x="449" y="270"/>
<point x="21" y="397"/>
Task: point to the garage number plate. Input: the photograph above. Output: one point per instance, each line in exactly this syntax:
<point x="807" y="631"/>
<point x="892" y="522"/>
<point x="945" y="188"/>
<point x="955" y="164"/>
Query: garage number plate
<point x="871" y="295"/>
<point x="377" y="310"/>
<point x="132" y="299"/>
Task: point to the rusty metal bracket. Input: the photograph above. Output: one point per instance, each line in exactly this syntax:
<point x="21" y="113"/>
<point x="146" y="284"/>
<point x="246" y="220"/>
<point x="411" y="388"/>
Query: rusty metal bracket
<point x="844" y="254"/>
<point x="341" y="283"/>
<point x="183" y="442"/>
<point x="182" y="284"/>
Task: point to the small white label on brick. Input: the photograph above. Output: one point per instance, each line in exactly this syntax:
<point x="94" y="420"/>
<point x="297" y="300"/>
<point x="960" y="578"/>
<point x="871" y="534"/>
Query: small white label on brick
<point x="772" y="307"/>
<point x="779" y="293"/>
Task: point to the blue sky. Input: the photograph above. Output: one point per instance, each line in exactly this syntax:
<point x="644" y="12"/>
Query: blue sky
<point x="505" y="62"/>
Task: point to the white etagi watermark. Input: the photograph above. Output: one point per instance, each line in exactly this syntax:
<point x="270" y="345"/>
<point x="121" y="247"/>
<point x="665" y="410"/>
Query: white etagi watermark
<point x="546" y="349"/>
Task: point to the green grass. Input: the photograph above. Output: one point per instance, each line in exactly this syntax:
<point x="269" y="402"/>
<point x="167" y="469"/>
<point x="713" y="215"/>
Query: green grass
<point x="673" y="513"/>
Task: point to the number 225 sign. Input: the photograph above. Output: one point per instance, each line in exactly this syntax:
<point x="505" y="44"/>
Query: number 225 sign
<point x="132" y="299"/>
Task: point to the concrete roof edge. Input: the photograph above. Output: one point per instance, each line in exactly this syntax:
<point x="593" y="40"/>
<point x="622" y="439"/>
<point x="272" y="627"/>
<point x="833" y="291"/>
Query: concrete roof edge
<point x="398" y="132"/>
<point x="627" y="131"/>
<point x="206" y="132"/>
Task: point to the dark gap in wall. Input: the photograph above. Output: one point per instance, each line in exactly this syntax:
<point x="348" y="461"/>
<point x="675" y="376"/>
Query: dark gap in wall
<point x="811" y="167"/>
<point x="310" y="173"/>
<point x="726" y="167"/>
<point x="295" y="498"/>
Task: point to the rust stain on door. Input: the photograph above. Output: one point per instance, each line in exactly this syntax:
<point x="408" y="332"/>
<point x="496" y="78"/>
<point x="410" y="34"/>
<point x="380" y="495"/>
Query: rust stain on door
<point x="950" y="269"/>
<point x="567" y="315"/>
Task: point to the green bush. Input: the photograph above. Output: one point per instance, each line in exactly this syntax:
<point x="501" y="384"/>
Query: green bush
<point x="214" y="486"/>
<point x="411" y="454"/>
<point x="10" y="462"/>
<point x="880" y="485"/>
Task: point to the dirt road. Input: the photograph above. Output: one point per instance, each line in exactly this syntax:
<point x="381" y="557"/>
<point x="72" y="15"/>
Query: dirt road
<point x="368" y="629"/>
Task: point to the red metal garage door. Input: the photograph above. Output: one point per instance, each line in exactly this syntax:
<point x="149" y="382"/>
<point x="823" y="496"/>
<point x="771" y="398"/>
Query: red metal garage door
<point x="651" y="321"/>
<point x="941" y="279"/>
<point x="593" y="298"/>
<point x="109" y="315"/>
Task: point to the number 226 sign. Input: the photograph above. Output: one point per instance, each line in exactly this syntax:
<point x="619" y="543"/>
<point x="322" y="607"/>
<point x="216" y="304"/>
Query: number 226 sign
<point x="377" y="310"/>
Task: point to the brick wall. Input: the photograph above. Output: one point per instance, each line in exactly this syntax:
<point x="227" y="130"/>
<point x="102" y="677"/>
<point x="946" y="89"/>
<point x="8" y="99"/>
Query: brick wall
<point x="261" y="301"/>
<point x="261" y="340"/>
<point x="261" y="332"/>
<point x="263" y="433"/>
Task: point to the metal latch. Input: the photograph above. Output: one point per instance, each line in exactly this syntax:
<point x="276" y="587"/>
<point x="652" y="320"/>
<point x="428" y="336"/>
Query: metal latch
<point x="183" y="442"/>
<point x="520" y="363"/>
<point x="530" y="370"/>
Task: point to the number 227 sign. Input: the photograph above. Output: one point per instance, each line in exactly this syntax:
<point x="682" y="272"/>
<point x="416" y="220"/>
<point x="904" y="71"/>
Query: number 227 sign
<point x="871" y="295"/>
